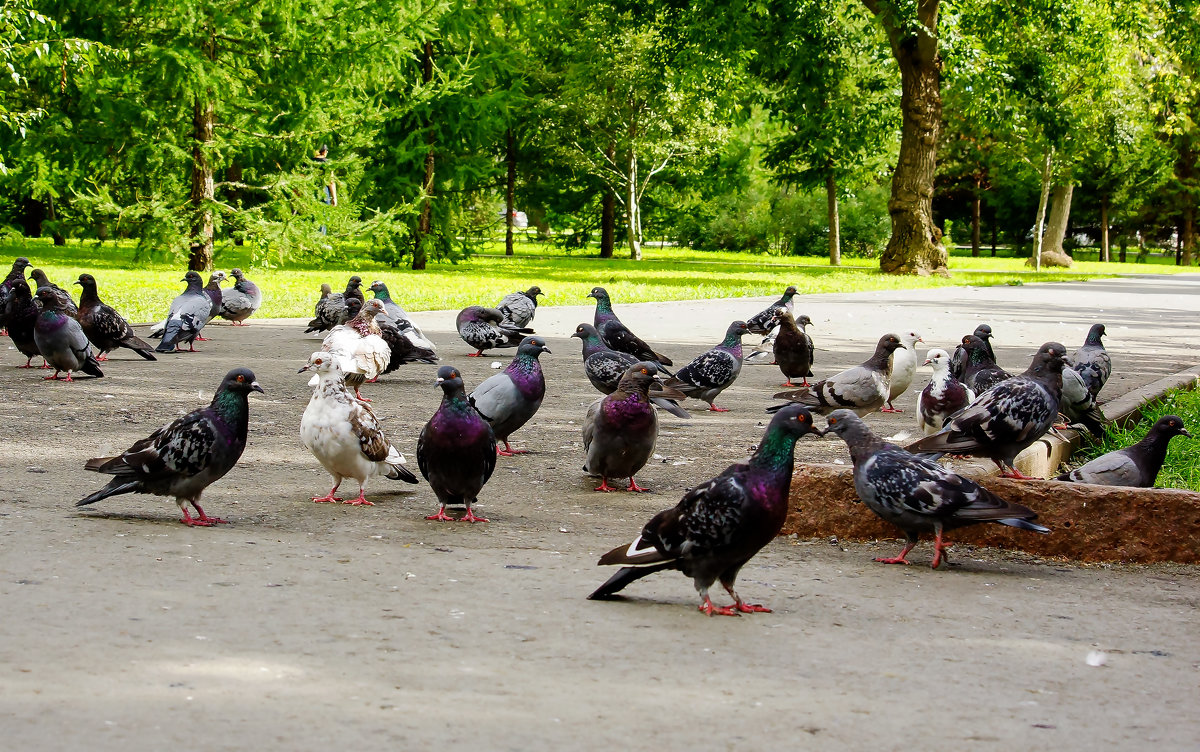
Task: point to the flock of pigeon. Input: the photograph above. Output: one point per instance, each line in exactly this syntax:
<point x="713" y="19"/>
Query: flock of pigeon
<point x="970" y="407"/>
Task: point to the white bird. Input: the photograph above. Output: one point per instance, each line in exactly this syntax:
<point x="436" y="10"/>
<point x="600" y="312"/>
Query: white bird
<point x="943" y="396"/>
<point x="344" y="435"/>
<point x="904" y="367"/>
<point x="360" y="349"/>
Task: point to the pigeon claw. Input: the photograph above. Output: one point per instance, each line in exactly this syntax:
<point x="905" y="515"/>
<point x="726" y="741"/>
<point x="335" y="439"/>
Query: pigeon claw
<point x="715" y="409"/>
<point x="475" y="354"/>
<point x="892" y="560"/>
<point x="441" y="516"/>
<point x="102" y="357"/>
<point x="890" y="409"/>
<point x="752" y="608"/>
<point x="470" y="516"/>
<point x="361" y="501"/>
<point x="604" y="486"/>
<point x="707" y="607"/>
<point x="327" y="498"/>
<point x="508" y="451"/>
<point x="633" y="486"/>
<point x="201" y="339"/>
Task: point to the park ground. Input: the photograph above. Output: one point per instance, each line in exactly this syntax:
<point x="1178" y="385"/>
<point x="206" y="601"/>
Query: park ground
<point x="302" y="626"/>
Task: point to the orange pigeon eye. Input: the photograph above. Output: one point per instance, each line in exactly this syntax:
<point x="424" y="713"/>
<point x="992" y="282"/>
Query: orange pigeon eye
<point x="241" y="378"/>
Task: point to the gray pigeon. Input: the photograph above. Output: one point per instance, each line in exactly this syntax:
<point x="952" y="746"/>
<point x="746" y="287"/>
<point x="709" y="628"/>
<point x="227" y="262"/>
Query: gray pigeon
<point x="65" y="303"/>
<point x="917" y="494"/>
<point x="1136" y="465"/>
<point x="714" y="371"/>
<point x="620" y="430"/>
<point x="213" y="291"/>
<point x="1078" y="404"/>
<point x="241" y="301"/>
<point x="1092" y="360"/>
<point x="863" y="388"/>
<point x="187" y="456"/>
<point x="327" y="310"/>
<point x="958" y="361"/>
<point x="484" y="329"/>
<point x="1005" y="419"/>
<point x="519" y="308"/>
<point x="188" y="314"/>
<point x="604" y="368"/>
<point x="510" y="398"/>
<point x="60" y="338"/>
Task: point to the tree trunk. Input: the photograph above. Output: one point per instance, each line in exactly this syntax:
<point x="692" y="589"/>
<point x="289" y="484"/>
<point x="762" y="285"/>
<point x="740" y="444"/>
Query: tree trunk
<point x="52" y="215"/>
<point x="1188" y="236"/>
<point x="201" y="199"/>
<point x="635" y="242"/>
<point x="608" y="223"/>
<point x="835" y="230"/>
<point x="510" y="182"/>
<point x="1105" y="254"/>
<point x="1124" y="241"/>
<point x="976" y="209"/>
<point x="425" y="219"/>
<point x="912" y="248"/>
<point x="1185" y="170"/>
<point x="1060" y="214"/>
<point x="993" y="232"/>
<point x="1041" y="212"/>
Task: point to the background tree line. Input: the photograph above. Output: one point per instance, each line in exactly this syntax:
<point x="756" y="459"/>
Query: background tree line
<point x="785" y="126"/>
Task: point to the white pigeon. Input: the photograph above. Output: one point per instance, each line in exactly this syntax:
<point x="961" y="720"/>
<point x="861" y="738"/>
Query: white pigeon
<point x="344" y="435"/>
<point x="904" y="367"/>
<point x="360" y="349"/>
<point x="943" y="396"/>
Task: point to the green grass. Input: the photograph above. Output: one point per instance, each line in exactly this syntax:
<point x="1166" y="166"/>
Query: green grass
<point x="1182" y="466"/>
<point x="143" y="291"/>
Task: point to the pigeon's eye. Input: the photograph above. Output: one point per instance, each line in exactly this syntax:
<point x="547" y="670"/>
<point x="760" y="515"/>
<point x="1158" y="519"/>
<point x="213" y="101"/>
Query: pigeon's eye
<point x="241" y="378"/>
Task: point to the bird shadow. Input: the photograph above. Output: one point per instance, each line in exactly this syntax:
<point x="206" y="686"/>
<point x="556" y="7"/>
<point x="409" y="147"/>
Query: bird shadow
<point x="126" y="517"/>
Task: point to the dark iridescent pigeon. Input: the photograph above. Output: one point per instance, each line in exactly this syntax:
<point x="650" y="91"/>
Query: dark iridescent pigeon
<point x="793" y="348"/>
<point x="20" y="264"/>
<point x="456" y="451"/>
<point x="65" y="303"/>
<point x="1092" y="360"/>
<point x="764" y="321"/>
<point x="60" y="338"/>
<point x="720" y="524"/>
<point x="616" y="335"/>
<point x="22" y="313"/>
<point x="604" y="368"/>
<point x="1136" y="465"/>
<point x="240" y="301"/>
<point x="620" y="430"/>
<point x="510" y="398"/>
<point x="402" y="348"/>
<point x="714" y="371"/>
<point x="188" y="315"/>
<point x="484" y="329"/>
<point x="943" y="396"/>
<point x="917" y="494"/>
<point x="958" y="361"/>
<point x="1005" y="419"/>
<point x="187" y="456"/>
<point x="354" y="290"/>
<point x="980" y="372"/>
<point x="519" y="308"/>
<point x="349" y="311"/>
<point x="863" y="388"/>
<point x="106" y="328"/>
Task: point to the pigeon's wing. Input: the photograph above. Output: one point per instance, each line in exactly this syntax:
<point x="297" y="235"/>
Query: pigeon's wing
<point x="713" y="369"/>
<point x="589" y="423"/>
<point x="517" y="308"/>
<point x="495" y="397"/>
<point x="1112" y="469"/>
<point x="371" y="440"/>
<point x="234" y="302"/>
<point x="1009" y="413"/>
<point x="179" y="450"/>
<point x="74" y="338"/>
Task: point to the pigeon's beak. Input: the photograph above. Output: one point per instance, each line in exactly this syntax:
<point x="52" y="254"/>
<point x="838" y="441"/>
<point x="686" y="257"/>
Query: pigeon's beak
<point x="927" y="362"/>
<point x="920" y="340"/>
<point x="1183" y="432"/>
<point x="577" y="334"/>
<point x="304" y="368"/>
<point x="546" y="349"/>
<point x="77" y="282"/>
<point x="438" y="381"/>
<point x="254" y="387"/>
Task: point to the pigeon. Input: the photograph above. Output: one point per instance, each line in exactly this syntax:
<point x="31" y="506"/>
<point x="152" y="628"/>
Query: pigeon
<point x="519" y="307"/>
<point x="793" y="347"/>
<point x="1092" y="360"/>
<point x="958" y="361"/>
<point x="20" y="264"/>
<point x="765" y="322"/>
<point x="714" y="371"/>
<point x="64" y="298"/>
<point x="344" y="435"/>
<point x="241" y="301"/>
<point x="60" y="338"/>
<point x="1005" y="419"/>
<point x="106" y="328"/>
<point x="400" y="346"/>
<point x="620" y="429"/>
<point x="213" y="291"/>
<point x="350" y="309"/>
<point x="904" y="367"/>
<point x="943" y="396"/>
<point x="456" y="451"/>
<point x="604" y="368"/>
<point x="327" y="312"/>
<point x="1078" y="404"/>
<point x="361" y="351"/>
<point x="1136" y="465"/>
<point x="484" y="329"/>
<point x="720" y="524"/>
<point x="187" y="456"/>
<point x="21" y="312"/>
<point x="616" y="335"/>
<point x="397" y="316"/>
<point x="187" y="316"/>
<point x="917" y="494"/>
<point x="863" y="388"/>
<point x="980" y="372"/>
<point x="354" y="289"/>
<point x="510" y="398"/>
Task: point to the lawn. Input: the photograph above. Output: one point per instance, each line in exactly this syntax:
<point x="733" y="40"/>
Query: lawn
<point x="143" y="291"/>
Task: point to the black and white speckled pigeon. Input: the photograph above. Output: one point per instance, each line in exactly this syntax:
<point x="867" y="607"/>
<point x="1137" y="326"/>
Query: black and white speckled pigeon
<point x="510" y="398"/>
<point x="917" y="494"/>
<point x="327" y="310"/>
<point x="188" y="315"/>
<point x="456" y="451"/>
<point x="620" y="429"/>
<point x="904" y="367"/>
<point x="618" y="336"/>
<point x="484" y="329"/>
<point x="943" y="396"/>
<point x="1092" y="360"/>
<point x="104" y="327"/>
<point x="65" y="303"/>
<point x="187" y="456"/>
<point x="958" y="361"/>
<point x="793" y="348"/>
<point x="713" y="371"/>
<point x="240" y="301"/>
<point x="403" y="351"/>
<point x="764" y="321"/>
<point x="21" y="312"/>
<point x="1136" y="465"/>
<point x="1005" y="419"/>
<point x="720" y="524"/>
<point x="60" y="338"/>
<point x="1078" y="404"/>
<point x="396" y="315"/>
<point x="344" y="435"/>
<point x="863" y="388"/>
<point x="980" y="372"/>
<point x="604" y="368"/>
<point x="519" y="308"/>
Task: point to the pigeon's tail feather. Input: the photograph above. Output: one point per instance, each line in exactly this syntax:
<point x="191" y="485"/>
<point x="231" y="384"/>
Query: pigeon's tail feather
<point x="1024" y="525"/>
<point x="625" y="576"/>
<point x="134" y="342"/>
<point x="663" y="360"/>
<point x="91" y="366"/>
<point x="400" y="472"/>
<point x="671" y="406"/>
<point x="316" y="325"/>
<point x="170" y="336"/>
<point x="115" y="487"/>
<point x="156" y="331"/>
<point x="1094" y="421"/>
<point x="144" y="352"/>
